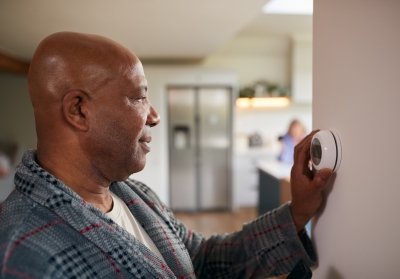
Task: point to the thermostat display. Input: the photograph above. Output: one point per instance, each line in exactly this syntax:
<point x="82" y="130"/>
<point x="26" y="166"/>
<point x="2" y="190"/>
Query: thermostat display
<point x="326" y="150"/>
<point x="316" y="151"/>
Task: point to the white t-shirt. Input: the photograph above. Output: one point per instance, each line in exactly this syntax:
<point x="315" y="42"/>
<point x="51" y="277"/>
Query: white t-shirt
<point x="121" y="215"/>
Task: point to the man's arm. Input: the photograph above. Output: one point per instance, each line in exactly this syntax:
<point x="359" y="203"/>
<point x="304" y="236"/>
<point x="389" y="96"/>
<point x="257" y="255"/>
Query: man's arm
<point x="272" y="244"/>
<point x="267" y="246"/>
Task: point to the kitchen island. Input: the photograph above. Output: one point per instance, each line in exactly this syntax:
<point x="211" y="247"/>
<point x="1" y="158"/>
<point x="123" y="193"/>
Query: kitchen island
<point x="274" y="184"/>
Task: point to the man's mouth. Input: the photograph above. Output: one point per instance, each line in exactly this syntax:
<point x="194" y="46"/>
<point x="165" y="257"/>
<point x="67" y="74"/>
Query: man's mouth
<point x="145" y="142"/>
<point x="146" y="139"/>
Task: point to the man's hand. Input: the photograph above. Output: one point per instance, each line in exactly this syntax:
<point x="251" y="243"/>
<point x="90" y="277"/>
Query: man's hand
<point x="306" y="190"/>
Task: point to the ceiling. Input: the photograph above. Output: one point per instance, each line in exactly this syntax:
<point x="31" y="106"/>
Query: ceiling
<point x="278" y="24"/>
<point x="152" y="29"/>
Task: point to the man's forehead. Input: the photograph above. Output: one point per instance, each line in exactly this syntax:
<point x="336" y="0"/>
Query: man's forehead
<point x="135" y="70"/>
<point x="139" y="68"/>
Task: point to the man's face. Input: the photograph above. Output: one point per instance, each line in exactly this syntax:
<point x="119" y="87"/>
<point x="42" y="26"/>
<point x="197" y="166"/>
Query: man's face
<point x="119" y="137"/>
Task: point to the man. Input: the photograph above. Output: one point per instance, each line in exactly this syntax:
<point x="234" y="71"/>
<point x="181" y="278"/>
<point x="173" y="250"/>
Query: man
<point x="93" y="122"/>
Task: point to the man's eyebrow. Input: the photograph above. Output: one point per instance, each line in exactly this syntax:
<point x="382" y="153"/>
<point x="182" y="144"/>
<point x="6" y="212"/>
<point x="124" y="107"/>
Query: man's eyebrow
<point x="140" y="88"/>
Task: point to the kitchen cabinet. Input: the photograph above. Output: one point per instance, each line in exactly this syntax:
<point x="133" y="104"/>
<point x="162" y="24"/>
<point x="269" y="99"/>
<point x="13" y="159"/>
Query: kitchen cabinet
<point x="245" y="175"/>
<point x="274" y="185"/>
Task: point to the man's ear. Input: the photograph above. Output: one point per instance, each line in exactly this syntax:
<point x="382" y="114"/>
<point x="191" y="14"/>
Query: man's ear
<point x="75" y="105"/>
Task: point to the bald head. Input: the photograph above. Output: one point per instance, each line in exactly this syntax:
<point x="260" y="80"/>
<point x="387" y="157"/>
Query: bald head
<point x="65" y="61"/>
<point x="89" y="96"/>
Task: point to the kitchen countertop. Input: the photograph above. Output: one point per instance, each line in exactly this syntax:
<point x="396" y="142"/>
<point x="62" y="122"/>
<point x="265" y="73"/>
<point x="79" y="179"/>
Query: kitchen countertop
<point x="258" y="151"/>
<point x="275" y="168"/>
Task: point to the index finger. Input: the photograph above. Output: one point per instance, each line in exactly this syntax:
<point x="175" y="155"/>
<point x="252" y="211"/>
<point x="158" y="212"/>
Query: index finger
<point x="302" y="152"/>
<point x="310" y="135"/>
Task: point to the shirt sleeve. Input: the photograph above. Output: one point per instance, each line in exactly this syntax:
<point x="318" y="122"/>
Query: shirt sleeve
<point x="267" y="246"/>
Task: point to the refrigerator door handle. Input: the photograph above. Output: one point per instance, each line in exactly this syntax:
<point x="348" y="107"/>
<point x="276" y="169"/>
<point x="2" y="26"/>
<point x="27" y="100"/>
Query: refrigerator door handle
<point x="181" y="137"/>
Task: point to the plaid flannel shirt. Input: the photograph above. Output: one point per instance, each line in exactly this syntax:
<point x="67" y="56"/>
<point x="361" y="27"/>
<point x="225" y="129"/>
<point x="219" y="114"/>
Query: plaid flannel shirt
<point x="48" y="231"/>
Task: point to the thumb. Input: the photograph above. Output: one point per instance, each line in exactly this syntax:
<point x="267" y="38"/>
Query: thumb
<point x="322" y="178"/>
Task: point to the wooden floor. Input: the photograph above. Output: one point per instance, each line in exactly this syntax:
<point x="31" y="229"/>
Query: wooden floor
<point x="219" y="222"/>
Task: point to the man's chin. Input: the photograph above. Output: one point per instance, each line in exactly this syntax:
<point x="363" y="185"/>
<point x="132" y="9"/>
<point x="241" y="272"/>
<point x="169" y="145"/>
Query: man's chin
<point x="138" y="167"/>
<point x="135" y="167"/>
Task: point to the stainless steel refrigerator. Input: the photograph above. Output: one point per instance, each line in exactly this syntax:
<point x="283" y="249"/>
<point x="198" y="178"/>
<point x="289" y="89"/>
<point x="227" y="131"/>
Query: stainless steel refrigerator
<point x="200" y="147"/>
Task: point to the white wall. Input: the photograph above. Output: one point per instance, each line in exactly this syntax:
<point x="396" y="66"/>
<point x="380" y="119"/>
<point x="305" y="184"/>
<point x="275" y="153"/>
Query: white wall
<point x="356" y="91"/>
<point x="302" y="68"/>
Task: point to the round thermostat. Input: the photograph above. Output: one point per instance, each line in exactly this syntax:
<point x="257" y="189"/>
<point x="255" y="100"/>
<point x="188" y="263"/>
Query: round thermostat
<point x="326" y="150"/>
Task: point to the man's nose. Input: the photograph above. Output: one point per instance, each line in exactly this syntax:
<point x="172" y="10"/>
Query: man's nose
<point x="153" y="118"/>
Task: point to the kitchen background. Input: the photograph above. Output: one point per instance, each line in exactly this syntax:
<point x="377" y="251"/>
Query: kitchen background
<point x="356" y="52"/>
<point x="245" y="47"/>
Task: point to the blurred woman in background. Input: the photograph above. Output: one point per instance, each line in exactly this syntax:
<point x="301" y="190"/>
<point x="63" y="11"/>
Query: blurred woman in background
<point x="294" y="135"/>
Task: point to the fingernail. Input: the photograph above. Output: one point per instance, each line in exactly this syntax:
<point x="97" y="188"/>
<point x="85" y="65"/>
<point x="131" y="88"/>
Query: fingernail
<point x="326" y="174"/>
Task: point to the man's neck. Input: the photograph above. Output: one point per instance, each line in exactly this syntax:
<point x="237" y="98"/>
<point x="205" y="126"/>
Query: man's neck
<point x="79" y="176"/>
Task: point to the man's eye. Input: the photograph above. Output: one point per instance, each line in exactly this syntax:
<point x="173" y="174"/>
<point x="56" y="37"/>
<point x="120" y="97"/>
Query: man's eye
<point x="140" y="99"/>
